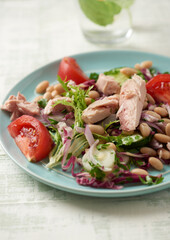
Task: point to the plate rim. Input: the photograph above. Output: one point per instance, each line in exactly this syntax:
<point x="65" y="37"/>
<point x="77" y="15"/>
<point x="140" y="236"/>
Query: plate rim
<point x="86" y="191"/>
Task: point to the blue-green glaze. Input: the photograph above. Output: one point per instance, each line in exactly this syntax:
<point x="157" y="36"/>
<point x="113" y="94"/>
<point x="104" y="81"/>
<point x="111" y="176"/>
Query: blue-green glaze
<point x="89" y="62"/>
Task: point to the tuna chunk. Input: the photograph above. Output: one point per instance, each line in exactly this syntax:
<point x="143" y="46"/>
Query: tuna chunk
<point x="132" y="97"/>
<point x="107" y="85"/>
<point x="18" y="106"/>
<point x="58" y="108"/>
<point x="100" y="109"/>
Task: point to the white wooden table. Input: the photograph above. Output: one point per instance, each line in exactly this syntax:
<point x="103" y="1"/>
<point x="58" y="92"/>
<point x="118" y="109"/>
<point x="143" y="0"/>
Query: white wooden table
<point x="33" y="33"/>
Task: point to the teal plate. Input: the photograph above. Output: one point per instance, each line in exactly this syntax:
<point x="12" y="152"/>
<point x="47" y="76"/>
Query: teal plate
<point x="89" y="62"/>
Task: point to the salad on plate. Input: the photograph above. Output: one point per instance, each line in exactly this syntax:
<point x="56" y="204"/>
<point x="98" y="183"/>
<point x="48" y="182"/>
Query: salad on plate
<point x="107" y="130"/>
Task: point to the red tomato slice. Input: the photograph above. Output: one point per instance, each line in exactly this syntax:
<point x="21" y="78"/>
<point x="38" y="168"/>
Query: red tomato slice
<point x="32" y="137"/>
<point x="159" y="88"/>
<point x="70" y="70"/>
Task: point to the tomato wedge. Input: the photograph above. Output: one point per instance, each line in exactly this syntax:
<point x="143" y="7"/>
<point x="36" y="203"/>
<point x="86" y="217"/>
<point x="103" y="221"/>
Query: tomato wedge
<point x="159" y="88"/>
<point x="70" y="70"/>
<point x="32" y="137"/>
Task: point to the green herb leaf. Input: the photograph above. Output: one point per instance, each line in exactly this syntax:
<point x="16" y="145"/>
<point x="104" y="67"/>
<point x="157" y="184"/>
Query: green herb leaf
<point x="161" y="120"/>
<point x="153" y="71"/>
<point x="52" y="121"/>
<point x="114" y="124"/>
<point x="42" y="103"/>
<point x="102" y="146"/>
<point x="151" y="180"/>
<point x="97" y="173"/>
<point x="100" y="12"/>
<point x="94" y="76"/>
<point x="119" y="164"/>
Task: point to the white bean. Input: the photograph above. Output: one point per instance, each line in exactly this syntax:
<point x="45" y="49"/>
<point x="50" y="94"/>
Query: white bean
<point x="148" y="150"/>
<point x="162" y="138"/>
<point x="163" y="153"/>
<point x="98" y="129"/>
<point x="59" y="88"/>
<point x="150" y="98"/>
<point x="47" y="95"/>
<point x="167" y="129"/>
<point x="42" y="86"/>
<point x="146" y="64"/>
<point x="94" y="94"/>
<point x="161" y="111"/>
<point x="139" y="171"/>
<point x="144" y="129"/>
<point x="128" y="71"/>
<point x="111" y="145"/>
<point x="156" y="163"/>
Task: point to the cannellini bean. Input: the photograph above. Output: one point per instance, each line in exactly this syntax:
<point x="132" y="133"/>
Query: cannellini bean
<point x="139" y="171"/>
<point x="154" y="114"/>
<point x="146" y="64"/>
<point x="54" y="93"/>
<point x="162" y="137"/>
<point x="47" y="95"/>
<point x="138" y="66"/>
<point x="144" y="129"/>
<point x="88" y="101"/>
<point x="59" y="88"/>
<point x="148" y="150"/>
<point x="167" y="129"/>
<point x="93" y="94"/>
<point x="112" y="146"/>
<point x="163" y="153"/>
<point x="128" y="71"/>
<point x="161" y="111"/>
<point x="36" y="99"/>
<point x="155" y="163"/>
<point x="96" y="129"/>
<point x="42" y="86"/>
<point x="50" y="89"/>
<point x="166" y="120"/>
<point x="150" y="98"/>
<point x="145" y="105"/>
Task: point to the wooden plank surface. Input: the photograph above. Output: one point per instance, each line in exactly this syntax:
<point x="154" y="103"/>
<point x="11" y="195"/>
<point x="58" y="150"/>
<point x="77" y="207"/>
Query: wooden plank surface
<point x="33" y="33"/>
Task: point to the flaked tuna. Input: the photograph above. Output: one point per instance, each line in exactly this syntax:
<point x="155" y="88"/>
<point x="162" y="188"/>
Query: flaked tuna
<point x="100" y="109"/>
<point x="50" y="108"/>
<point x="132" y="97"/>
<point x="107" y="85"/>
<point x="18" y="105"/>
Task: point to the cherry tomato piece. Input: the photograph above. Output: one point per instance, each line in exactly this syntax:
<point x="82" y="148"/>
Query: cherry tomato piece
<point x="159" y="88"/>
<point x="32" y="137"/>
<point x="70" y="70"/>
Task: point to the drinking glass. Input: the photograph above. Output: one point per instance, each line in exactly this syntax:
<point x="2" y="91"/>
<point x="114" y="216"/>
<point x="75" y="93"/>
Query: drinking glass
<point x="106" y="21"/>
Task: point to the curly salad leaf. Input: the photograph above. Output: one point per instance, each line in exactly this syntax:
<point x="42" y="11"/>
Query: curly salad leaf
<point x="77" y="96"/>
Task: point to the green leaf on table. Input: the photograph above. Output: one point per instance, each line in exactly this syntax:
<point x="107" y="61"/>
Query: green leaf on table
<point x="100" y="12"/>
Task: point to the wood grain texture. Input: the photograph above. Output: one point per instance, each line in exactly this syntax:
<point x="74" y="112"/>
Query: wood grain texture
<point x="33" y="33"/>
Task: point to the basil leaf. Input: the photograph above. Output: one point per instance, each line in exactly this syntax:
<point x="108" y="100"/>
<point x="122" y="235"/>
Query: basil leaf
<point x="100" y="12"/>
